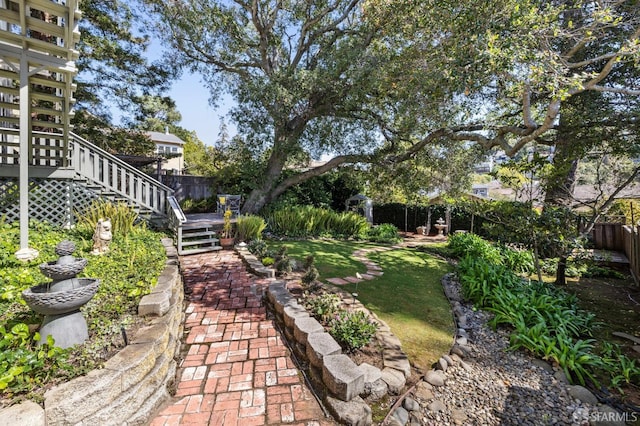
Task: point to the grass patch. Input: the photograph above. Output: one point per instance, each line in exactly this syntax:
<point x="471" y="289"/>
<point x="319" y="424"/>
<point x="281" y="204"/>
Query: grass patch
<point x="333" y="258"/>
<point x="409" y="298"/>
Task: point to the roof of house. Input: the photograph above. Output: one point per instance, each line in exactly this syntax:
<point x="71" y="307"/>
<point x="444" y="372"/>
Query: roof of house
<point x="165" y="138"/>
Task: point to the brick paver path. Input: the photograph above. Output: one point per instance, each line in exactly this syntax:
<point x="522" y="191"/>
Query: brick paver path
<point x="237" y="370"/>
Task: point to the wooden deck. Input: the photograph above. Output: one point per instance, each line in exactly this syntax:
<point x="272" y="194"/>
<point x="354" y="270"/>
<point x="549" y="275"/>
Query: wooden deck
<point x="202" y="220"/>
<point x="609" y="257"/>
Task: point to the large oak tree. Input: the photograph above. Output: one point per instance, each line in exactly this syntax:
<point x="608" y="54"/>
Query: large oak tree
<point x="379" y="80"/>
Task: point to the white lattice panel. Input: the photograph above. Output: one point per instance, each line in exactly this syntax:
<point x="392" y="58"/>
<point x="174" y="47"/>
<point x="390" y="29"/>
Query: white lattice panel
<point x="50" y="200"/>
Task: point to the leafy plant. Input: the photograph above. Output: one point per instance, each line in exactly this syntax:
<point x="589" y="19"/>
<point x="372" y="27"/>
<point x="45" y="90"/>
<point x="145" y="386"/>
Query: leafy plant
<point x="23" y="364"/>
<point x="227" y="228"/>
<point x="322" y="306"/>
<point x="268" y="261"/>
<point x="352" y="329"/>
<point x="307" y="221"/>
<point x="384" y="233"/>
<point x="250" y="227"/>
<point x="310" y="277"/>
<point x="123" y="217"/>
<point x="259" y="249"/>
<point x="283" y="263"/>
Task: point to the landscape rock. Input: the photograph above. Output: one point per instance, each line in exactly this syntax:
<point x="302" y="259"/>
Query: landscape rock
<point x="410" y="404"/>
<point x="437" y="405"/>
<point x="394" y="379"/>
<point x="459" y="417"/>
<point x="376" y="390"/>
<point x="583" y="394"/>
<point x="433" y="378"/>
<point x="355" y="412"/>
<point x="26" y="413"/>
<point x="424" y="391"/>
<point x="401" y="415"/>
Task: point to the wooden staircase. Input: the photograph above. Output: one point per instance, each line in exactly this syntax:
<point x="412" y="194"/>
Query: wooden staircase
<point x="68" y="173"/>
<point x="192" y="237"/>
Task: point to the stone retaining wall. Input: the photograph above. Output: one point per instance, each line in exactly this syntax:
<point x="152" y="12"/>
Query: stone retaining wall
<point x="135" y="381"/>
<point x="344" y="386"/>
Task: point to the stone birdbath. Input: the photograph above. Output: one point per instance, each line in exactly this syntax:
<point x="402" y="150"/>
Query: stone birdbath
<point x="60" y="300"/>
<point x="440" y="226"/>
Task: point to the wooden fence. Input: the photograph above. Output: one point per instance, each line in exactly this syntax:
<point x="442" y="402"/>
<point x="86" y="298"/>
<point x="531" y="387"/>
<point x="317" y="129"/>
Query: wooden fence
<point x="608" y="236"/>
<point x="621" y="238"/>
<point x="632" y="249"/>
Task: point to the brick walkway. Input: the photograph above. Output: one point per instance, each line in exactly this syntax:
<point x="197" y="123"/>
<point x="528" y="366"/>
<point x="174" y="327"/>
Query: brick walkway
<point x="237" y="370"/>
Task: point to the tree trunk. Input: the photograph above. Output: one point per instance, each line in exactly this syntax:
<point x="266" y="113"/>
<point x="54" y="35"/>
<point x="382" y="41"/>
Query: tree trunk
<point x="560" y="189"/>
<point x="263" y="194"/>
<point x="561" y="277"/>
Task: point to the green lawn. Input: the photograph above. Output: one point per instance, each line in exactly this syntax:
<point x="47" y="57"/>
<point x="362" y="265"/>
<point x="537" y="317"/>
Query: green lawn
<point x="333" y="258"/>
<point x="408" y="297"/>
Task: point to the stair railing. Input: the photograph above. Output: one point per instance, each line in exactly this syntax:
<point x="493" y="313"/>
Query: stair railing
<point x="114" y="175"/>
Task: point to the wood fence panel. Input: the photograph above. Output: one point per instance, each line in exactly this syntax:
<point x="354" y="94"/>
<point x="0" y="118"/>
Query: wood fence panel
<point x="608" y="236"/>
<point x="631" y="236"/>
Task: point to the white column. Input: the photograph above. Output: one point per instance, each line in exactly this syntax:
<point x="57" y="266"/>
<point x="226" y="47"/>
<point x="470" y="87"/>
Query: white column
<point x="25" y="253"/>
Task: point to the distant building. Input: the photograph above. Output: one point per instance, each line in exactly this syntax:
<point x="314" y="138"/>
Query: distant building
<point x="172" y="147"/>
<point x="480" y="190"/>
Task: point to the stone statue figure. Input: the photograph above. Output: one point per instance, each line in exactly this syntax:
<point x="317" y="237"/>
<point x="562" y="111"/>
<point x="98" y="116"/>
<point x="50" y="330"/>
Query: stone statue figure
<point x="102" y="236"/>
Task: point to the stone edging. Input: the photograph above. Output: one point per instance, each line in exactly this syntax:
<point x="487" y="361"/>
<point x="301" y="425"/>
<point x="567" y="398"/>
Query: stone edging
<point x="135" y="381"/>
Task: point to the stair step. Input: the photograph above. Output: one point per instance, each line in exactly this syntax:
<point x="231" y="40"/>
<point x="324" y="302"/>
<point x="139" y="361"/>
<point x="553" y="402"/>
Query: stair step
<point x="199" y="250"/>
<point x="197" y="234"/>
<point x="209" y="241"/>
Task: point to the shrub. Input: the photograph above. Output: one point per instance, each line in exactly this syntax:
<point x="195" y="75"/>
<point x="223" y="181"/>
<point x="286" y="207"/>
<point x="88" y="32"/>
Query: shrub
<point x="352" y="330"/>
<point x="250" y="227"/>
<point x="283" y="263"/>
<point x="465" y="244"/>
<point x="322" y="306"/>
<point x="520" y="261"/>
<point x="384" y="233"/>
<point x="259" y="249"/>
<point x="268" y="261"/>
<point x="307" y="221"/>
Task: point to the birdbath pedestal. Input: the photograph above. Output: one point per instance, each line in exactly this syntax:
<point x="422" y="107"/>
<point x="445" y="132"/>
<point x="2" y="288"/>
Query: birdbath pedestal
<point x="440" y="226"/>
<point x="60" y="300"/>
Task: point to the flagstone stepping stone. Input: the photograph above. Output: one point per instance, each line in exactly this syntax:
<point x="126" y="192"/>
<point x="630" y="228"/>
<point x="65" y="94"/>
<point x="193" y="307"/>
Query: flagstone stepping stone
<point x="627" y="336"/>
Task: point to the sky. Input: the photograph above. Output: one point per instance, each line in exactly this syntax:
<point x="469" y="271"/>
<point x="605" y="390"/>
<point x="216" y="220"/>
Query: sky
<point x="192" y="101"/>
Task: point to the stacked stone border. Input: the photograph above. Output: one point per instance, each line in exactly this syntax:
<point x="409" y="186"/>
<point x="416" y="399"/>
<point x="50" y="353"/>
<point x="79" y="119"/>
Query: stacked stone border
<point x="135" y="381"/>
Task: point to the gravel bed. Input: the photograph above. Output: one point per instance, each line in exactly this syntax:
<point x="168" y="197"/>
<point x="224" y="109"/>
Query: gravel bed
<point x="488" y="385"/>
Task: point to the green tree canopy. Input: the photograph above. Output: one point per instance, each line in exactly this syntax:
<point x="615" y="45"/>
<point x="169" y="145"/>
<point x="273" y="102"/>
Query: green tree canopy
<point x="377" y="81"/>
<point x="113" y="72"/>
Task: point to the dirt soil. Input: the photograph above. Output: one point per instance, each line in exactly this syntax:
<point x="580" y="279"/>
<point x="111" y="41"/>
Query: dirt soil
<point x="616" y="304"/>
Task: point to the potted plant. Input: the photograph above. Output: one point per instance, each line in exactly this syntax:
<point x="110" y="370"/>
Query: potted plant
<point x="226" y="239"/>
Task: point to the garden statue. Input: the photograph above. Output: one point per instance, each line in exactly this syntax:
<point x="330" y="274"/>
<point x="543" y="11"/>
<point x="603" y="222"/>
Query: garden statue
<point x="102" y="236"/>
<point x="60" y="300"/>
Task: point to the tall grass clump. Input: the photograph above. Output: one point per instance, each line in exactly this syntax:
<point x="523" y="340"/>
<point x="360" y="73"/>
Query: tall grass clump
<point x="308" y="221"/>
<point x="123" y="218"/>
<point x="250" y="227"/>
